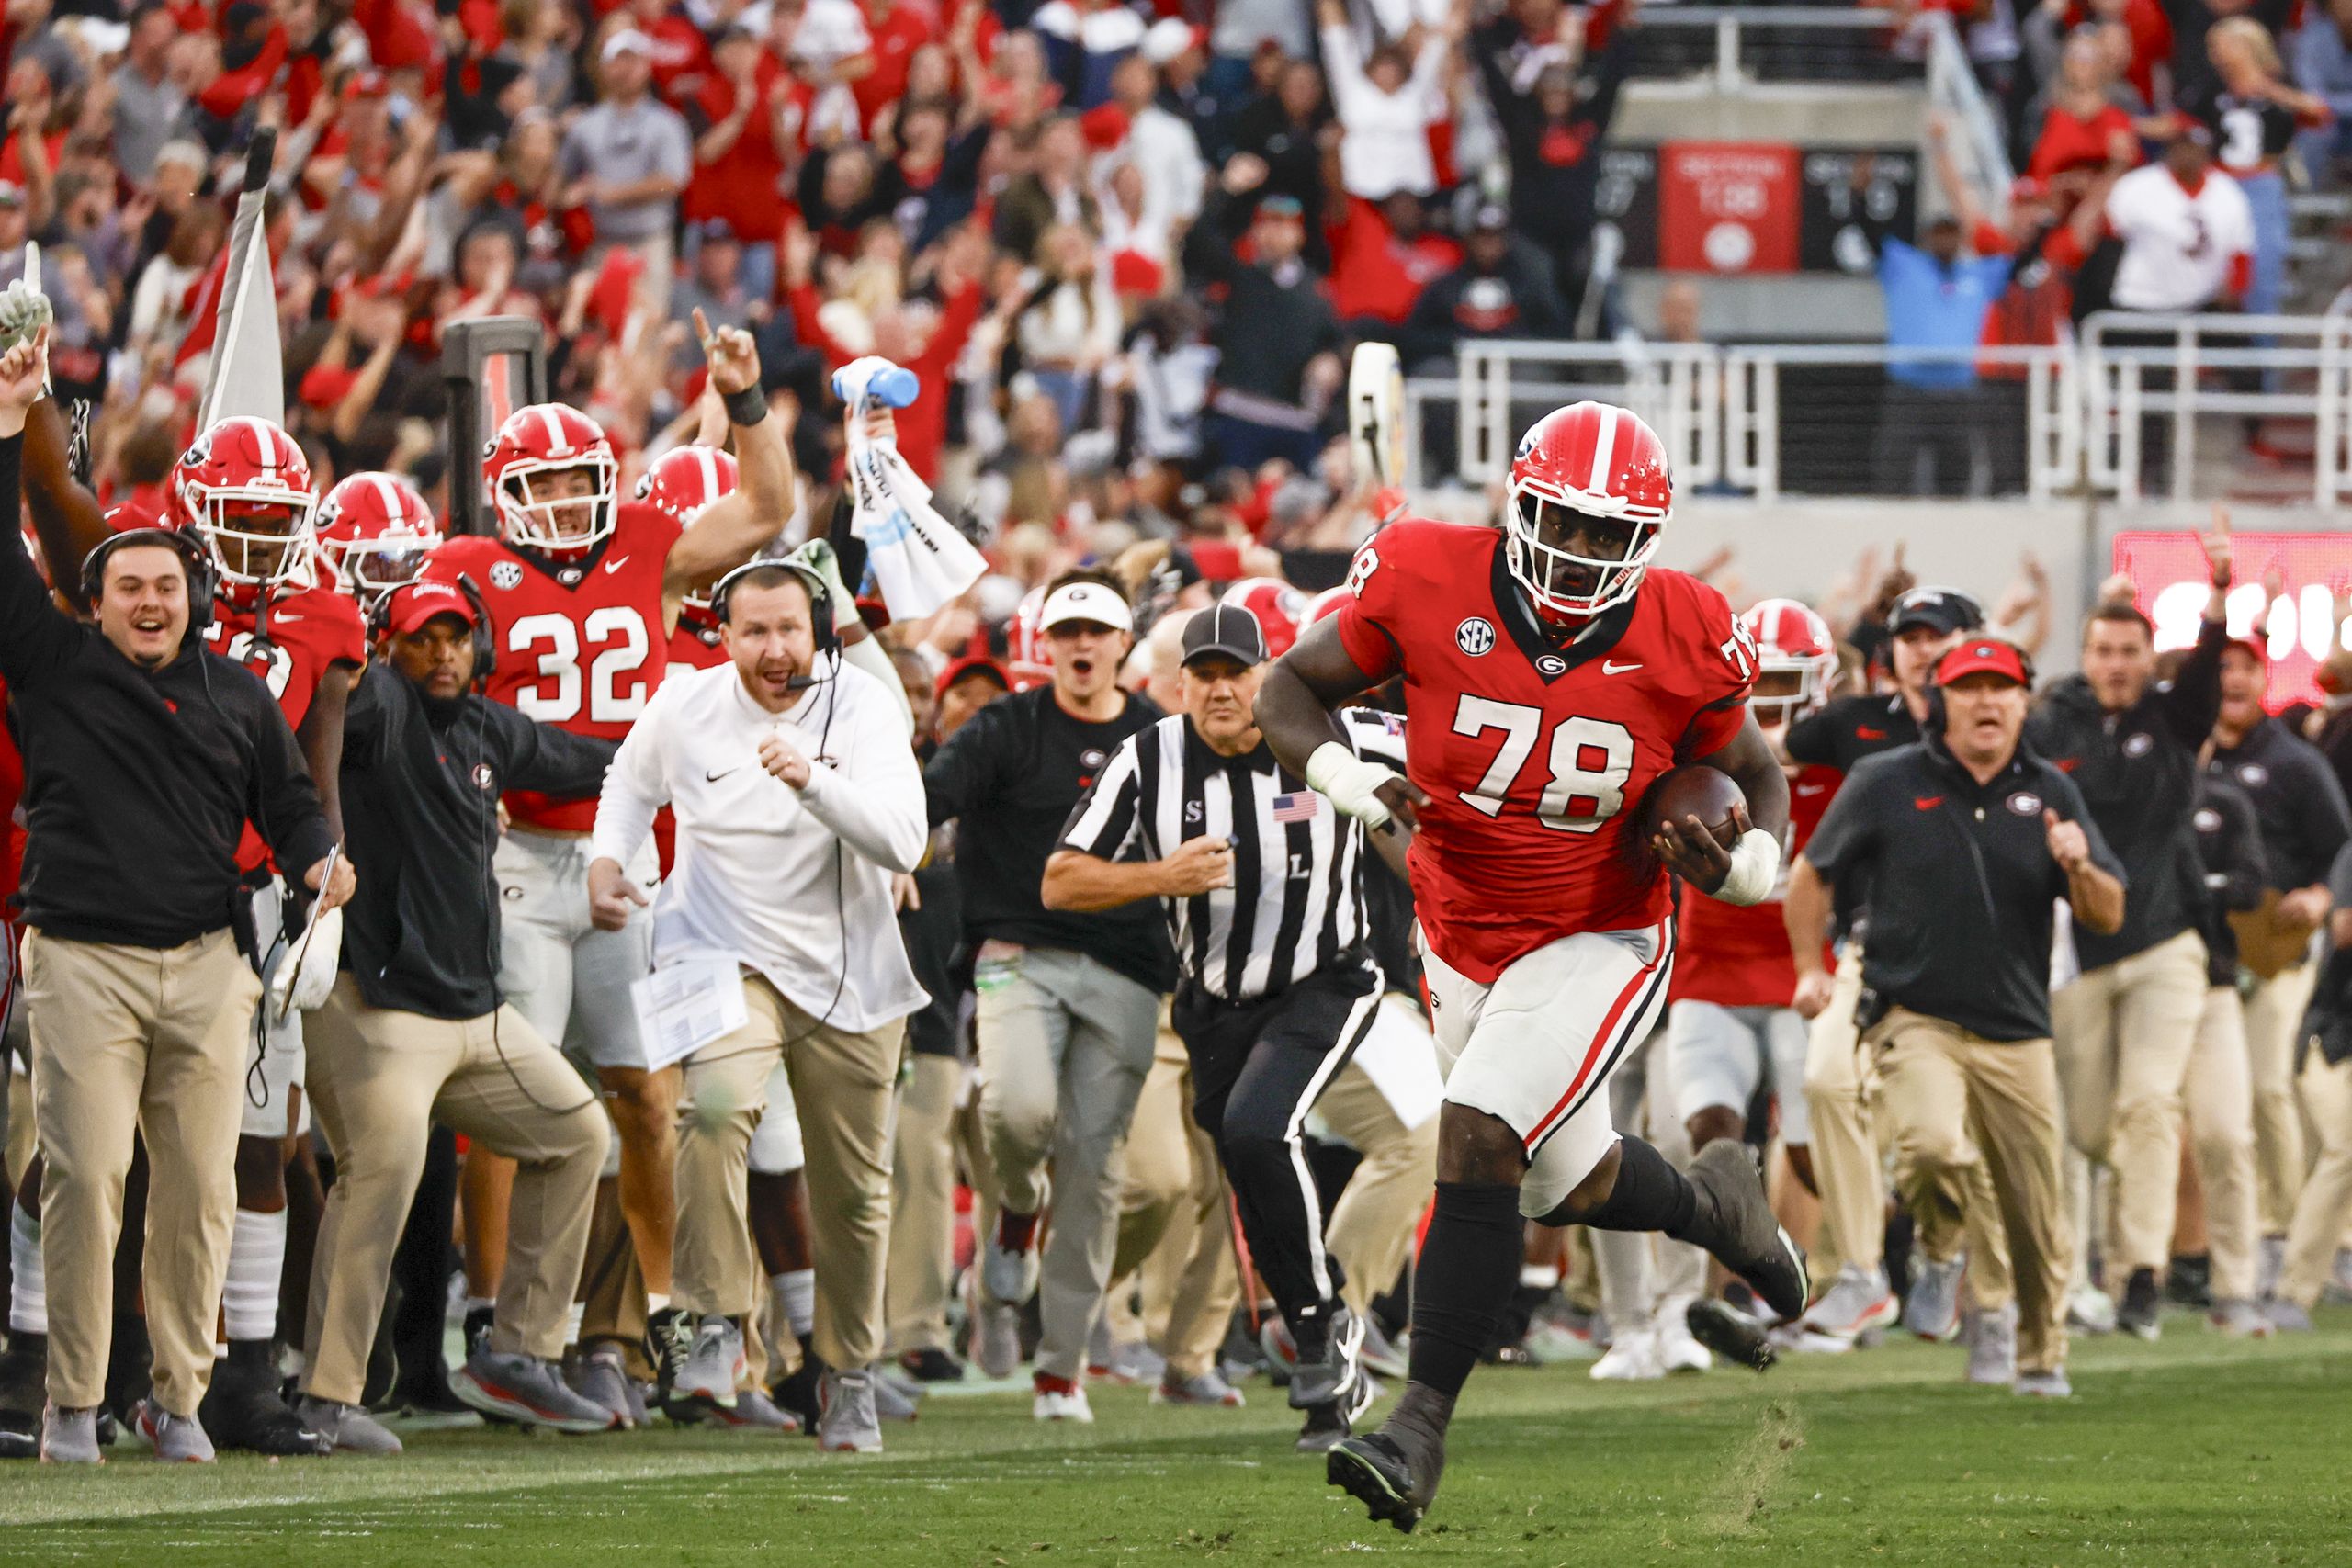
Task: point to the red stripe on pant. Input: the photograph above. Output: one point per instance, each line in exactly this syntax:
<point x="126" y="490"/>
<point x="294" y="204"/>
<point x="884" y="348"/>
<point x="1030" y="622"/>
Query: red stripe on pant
<point x="1601" y="1036"/>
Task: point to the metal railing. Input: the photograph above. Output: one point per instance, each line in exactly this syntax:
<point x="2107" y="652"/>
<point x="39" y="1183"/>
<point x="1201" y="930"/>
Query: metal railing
<point x="2140" y="403"/>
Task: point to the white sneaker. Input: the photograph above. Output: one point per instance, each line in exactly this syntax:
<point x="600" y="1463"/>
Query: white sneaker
<point x="1051" y="1405"/>
<point x="1009" y="1274"/>
<point x="1633" y="1358"/>
<point x="1677" y="1351"/>
<point x="2090" y="1310"/>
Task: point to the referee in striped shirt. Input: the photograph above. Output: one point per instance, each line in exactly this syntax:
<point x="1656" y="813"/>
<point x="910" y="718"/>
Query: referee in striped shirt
<point x="1258" y="877"/>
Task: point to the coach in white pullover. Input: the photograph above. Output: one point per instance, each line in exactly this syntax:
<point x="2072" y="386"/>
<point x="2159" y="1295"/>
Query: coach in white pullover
<point x="797" y="798"/>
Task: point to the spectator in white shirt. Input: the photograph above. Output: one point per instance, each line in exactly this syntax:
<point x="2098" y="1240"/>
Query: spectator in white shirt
<point x="797" y="801"/>
<point x="1161" y="145"/>
<point x="2188" y="231"/>
<point x="1384" y="107"/>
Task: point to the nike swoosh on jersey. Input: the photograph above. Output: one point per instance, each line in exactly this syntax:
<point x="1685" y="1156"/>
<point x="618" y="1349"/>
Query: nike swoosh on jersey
<point x="709" y="777"/>
<point x="616" y="563"/>
<point x="1926" y="802"/>
<point x="1607" y="668"/>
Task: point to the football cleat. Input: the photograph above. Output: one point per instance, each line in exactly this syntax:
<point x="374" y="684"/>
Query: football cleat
<point x="1729" y="1333"/>
<point x="1382" y="1474"/>
<point x="1735" y="1222"/>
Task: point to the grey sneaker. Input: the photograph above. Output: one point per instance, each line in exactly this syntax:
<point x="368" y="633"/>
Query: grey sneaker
<point x="1932" y="1309"/>
<point x="2090" y="1310"/>
<point x="1336" y="1372"/>
<point x="714" y="1369"/>
<point x="1856" y="1302"/>
<point x="2338" y="1288"/>
<point x="604" y="1380"/>
<point x="1381" y="1358"/>
<point x="848" y="1425"/>
<point x="996" y="1336"/>
<point x="178" y="1439"/>
<point x="892" y="1401"/>
<point x="1992" y="1347"/>
<point x="1208" y="1389"/>
<point x="2050" y="1384"/>
<point x="1135" y="1363"/>
<point x="2239" y="1319"/>
<point x="753" y="1411"/>
<point x="525" y="1389"/>
<point x="70" y="1436"/>
<point x="1009" y="1274"/>
<point x="2286" y="1317"/>
<point x="350" y="1429"/>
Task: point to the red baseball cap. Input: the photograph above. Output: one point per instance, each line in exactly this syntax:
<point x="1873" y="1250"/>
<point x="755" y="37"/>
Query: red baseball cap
<point x="972" y="664"/>
<point x="1980" y="655"/>
<point x="415" y="604"/>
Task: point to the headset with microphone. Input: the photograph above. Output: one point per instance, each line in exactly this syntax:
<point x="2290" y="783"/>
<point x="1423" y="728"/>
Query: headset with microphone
<point x="821" y="612"/>
<point x="200" y="586"/>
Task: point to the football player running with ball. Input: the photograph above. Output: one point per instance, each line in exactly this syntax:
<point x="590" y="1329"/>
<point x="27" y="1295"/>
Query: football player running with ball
<point x="1551" y="676"/>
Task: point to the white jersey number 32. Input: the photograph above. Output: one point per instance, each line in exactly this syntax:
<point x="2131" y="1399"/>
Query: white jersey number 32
<point x="618" y="643"/>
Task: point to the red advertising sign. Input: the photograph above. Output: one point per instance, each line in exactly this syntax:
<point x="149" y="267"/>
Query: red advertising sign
<point x="2299" y="626"/>
<point x="1727" y="206"/>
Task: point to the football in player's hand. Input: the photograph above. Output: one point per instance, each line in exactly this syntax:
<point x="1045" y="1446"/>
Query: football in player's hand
<point x="1694" y="791"/>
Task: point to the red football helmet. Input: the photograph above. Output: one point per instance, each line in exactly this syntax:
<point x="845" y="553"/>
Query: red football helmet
<point x="1280" y="608"/>
<point x="244" y="489"/>
<point x="1791" y="640"/>
<point x="376" y="530"/>
<point x="684" y="480"/>
<point x="1588" y="460"/>
<point x="1026" y="655"/>
<point x="1327" y="603"/>
<point x="548" y="439"/>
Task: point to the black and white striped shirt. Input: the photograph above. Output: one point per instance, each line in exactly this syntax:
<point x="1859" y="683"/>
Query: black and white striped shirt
<point x="1297" y="905"/>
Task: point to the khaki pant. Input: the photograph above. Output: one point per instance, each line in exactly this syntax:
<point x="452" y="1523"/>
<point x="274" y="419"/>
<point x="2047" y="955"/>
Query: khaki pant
<point x="1953" y="1103"/>
<point x="1371" y="1225"/>
<point x="2123" y="1036"/>
<point x="922" y="1205"/>
<point x="1845" y="1154"/>
<point x="1175" y="1224"/>
<point x="379" y="1079"/>
<point x="842" y="1083"/>
<point x="2219" y="1099"/>
<point x="21" y="1138"/>
<point x="2274" y="1018"/>
<point x="2326" y="1199"/>
<point x="153" y="1043"/>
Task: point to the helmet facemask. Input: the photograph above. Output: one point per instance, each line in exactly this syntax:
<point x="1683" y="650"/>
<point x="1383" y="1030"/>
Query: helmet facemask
<point x="373" y="568"/>
<point x="540" y="507"/>
<point x="258" y="536"/>
<point x="1567" y="584"/>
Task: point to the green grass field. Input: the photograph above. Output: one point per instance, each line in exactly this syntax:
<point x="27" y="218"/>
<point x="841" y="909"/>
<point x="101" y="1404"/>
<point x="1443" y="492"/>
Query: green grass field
<point x="2192" y="1450"/>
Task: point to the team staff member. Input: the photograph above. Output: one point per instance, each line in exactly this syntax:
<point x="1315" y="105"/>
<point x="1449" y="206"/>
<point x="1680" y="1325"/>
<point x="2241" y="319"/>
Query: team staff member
<point x="2127" y="1023"/>
<point x="1068" y="1002"/>
<point x="1968" y="839"/>
<point x="797" y="800"/>
<point x="417" y="1033"/>
<point x="1848" y="1173"/>
<point x="1259" y="882"/>
<point x="2219" y="1093"/>
<point x="145" y="756"/>
<point x="2325" y="1068"/>
<point x="2304" y="823"/>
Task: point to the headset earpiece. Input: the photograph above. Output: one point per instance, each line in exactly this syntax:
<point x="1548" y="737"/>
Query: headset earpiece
<point x="200" y="586"/>
<point x="485" y="640"/>
<point x="821" y="601"/>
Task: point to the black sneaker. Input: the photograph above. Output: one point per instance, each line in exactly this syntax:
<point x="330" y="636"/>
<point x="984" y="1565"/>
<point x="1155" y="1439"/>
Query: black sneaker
<point x="2141" y="1304"/>
<point x="1729" y="1333"/>
<point x="1377" y="1470"/>
<point x="24" y="1376"/>
<point x="2189" y="1281"/>
<point x="932" y="1366"/>
<point x="802" y="1392"/>
<point x="1733" y="1221"/>
<point x="242" y="1410"/>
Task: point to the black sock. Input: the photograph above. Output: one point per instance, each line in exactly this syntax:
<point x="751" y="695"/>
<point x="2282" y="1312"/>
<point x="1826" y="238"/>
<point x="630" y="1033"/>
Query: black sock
<point x="1650" y="1195"/>
<point x="1469" y="1264"/>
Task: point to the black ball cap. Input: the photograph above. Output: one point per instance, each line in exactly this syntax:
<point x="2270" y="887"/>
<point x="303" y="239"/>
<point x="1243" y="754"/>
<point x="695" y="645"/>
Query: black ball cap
<point x="1225" y="631"/>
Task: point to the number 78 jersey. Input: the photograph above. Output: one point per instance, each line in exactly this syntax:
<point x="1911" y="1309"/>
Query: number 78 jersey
<point x="1534" y="754"/>
<point x="581" y="639"/>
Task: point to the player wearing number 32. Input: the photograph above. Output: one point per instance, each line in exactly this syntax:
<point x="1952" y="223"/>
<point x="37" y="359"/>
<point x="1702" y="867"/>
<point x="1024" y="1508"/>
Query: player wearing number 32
<point x="582" y="589"/>
<point x="1551" y="676"/>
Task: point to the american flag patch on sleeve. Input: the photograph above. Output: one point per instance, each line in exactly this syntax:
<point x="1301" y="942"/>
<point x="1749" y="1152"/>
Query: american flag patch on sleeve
<point x="1298" y="808"/>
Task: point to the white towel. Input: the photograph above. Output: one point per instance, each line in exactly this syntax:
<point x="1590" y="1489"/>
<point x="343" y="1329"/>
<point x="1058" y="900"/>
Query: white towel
<point x="917" y="556"/>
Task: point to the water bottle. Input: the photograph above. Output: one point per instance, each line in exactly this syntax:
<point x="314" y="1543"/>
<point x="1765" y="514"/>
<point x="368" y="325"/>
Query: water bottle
<point x="895" y="388"/>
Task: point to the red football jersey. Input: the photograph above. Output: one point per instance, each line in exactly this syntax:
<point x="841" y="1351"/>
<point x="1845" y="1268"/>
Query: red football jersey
<point x="581" y="644"/>
<point x="1533" y="754"/>
<point x="289" y="641"/>
<point x="1738" y="956"/>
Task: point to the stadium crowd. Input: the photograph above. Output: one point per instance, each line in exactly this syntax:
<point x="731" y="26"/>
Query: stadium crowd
<point x="1125" y="256"/>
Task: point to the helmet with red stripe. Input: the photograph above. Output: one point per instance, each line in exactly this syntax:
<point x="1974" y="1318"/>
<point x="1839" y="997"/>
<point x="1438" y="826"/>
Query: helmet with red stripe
<point x="1327" y="603"/>
<point x="551" y="474"/>
<point x="1589" y="489"/>
<point x="244" y="489"/>
<point x="1796" y="661"/>
<point x="1028" y="660"/>
<point x="376" y="530"/>
<point x="1280" y="608"/>
<point x="684" y="480"/>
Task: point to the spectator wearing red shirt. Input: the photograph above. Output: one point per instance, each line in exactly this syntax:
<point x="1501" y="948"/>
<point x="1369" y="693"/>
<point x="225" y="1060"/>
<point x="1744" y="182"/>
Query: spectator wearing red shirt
<point x="2085" y="130"/>
<point x="897" y="30"/>
<point x="745" y="115"/>
<point x="680" y="55"/>
<point x="1383" y="256"/>
<point x="923" y="424"/>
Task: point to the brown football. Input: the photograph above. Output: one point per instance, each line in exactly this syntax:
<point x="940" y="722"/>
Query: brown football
<point x="1693" y="791"/>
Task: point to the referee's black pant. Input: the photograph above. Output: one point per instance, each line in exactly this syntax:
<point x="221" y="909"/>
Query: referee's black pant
<point x="1258" y="1067"/>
